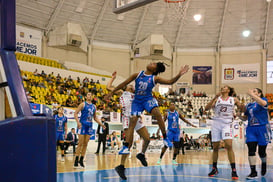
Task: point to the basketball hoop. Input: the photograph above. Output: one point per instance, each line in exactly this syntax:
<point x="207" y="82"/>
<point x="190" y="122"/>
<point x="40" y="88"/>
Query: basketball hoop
<point x="176" y="9"/>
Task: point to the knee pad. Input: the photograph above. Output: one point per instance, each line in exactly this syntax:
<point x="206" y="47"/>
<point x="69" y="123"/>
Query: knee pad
<point x="62" y="146"/>
<point x="251" y="153"/>
<point x="262" y="151"/>
<point x="176" y="144"/>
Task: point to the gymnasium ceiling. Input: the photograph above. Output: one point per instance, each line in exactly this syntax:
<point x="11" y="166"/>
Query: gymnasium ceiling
<point x="222" y="23"/>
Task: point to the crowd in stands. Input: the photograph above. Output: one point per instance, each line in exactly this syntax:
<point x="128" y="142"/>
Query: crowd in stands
<point x="43" y="88"/>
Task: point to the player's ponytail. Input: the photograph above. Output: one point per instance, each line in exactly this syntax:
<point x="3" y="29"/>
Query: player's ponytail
<point x="160" y="68"/>
<point x="260" y="92"/>
<point x="232" y="92"/>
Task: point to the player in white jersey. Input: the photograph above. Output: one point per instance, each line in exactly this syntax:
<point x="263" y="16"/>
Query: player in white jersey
<point x="126" y="103"/>
<point x="221" y="129"/>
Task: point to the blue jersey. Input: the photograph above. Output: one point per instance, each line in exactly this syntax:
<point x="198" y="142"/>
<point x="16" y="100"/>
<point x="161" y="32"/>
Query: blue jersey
<point x="60" y="122"/>
<point x="87" y="113"/>
<point x="144" y="85"/>
<point x="173" y="121"/>
<point x="257" y="114"/>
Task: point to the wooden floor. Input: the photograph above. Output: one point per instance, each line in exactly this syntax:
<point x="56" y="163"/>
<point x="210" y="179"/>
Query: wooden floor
<point x="110" y="160"/>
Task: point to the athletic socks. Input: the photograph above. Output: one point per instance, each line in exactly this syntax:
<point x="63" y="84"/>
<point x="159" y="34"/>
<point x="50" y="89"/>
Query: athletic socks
<point x="174" y="156"/>
<point x="164" y="135"/>
<point x="161" y="155"/>
<point x="214" y="165"/>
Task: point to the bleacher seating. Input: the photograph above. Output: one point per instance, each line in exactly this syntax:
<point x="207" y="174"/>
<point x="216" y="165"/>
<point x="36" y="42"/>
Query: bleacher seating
<point x="38" y="60"/>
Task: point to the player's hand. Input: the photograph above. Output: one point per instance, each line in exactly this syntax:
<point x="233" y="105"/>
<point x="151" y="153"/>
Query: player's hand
<point x="65" y="136"/>
<point x="114" y="74"/>
<point x="184" y="69"/>
<point x="250" y="92"/>
<point x="79" y="125"/>
<point x="194" y="126"/>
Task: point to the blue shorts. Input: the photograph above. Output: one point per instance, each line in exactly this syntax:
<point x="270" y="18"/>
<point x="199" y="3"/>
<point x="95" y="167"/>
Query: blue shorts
<point x="138" y="106"/>
<point x="173" y="136"/>
<point x="260" y="134"/>
<point x="59" y="136"/>
<point x="86" y="128"/>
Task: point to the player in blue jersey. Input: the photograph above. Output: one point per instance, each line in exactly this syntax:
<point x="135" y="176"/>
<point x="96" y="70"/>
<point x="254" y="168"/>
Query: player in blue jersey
<point x="144" y="83"/>
<point x="258" y="132"/>
<point x="88" y="113"/>
<point x="61" y="129"/>
<point x="173" y="133"/>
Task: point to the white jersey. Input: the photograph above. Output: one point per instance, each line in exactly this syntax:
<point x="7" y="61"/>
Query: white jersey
<point x="125" y="101"/>
<point x="224" y="109"/>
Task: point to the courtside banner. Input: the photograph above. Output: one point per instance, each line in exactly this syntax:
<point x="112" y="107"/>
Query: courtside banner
<point x="28" y="40"/>
<point x="241" y="73"/>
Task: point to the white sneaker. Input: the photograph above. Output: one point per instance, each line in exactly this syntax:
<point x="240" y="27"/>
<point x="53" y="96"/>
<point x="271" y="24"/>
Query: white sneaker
<point x="174" y="162"/>
<point x="62" y="159"/>
<point x="124" y="150"/>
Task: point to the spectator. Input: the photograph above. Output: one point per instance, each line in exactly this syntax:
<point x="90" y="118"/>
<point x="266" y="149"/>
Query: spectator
<point x="71" y="140"/>
<point x="201" y="111"/>
<point x="153" y="136"/>
<point x="182" y="142"/>
<point x="85" y="80"/>
<point x="102" y="133"/>
<point x="69" y="78"/>
<point x="35" y="73"/>
<point x="114" y="140"/>
<point x="98" y="82"/>
<point x="43" y="74"/>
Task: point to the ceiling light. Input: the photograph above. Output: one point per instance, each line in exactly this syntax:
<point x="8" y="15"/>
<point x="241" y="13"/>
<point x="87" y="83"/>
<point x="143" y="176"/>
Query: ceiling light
<point x="197" y="17"/>
<point x="246" y="33"/>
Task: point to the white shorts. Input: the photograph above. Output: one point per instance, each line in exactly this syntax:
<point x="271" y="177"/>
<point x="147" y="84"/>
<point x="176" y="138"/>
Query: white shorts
<point x="221" y="131"/>
<point x="126" y="120"/>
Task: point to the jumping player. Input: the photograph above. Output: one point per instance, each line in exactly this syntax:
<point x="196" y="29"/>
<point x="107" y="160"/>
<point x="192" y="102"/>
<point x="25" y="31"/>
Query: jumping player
<point x="173" y="133"/>
<point x="258" y="132"/>
<point x="88" y="112"/>
<point x="221" y="128"/>
<point x="126" y="104"/>
<point x="144" y="83"/>
<point x="61" y="129"/>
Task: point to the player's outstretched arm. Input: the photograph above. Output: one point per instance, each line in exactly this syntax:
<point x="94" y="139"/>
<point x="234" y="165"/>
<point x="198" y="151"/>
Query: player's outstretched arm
<point x="123" y="84"/>
<point x="211" y="104"/>
<point x="258" y="99"/>
<point x="98" y="121"/>
<point x="240" y="105"/>
<point x="183" y="70"/>
<point x="109" y="86"/>
<point x="186" y="121"/>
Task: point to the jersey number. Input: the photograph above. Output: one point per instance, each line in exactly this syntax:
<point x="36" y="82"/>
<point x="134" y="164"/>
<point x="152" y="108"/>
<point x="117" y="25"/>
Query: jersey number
<point x="143" y="85"/>
<point x="223" y="109"/>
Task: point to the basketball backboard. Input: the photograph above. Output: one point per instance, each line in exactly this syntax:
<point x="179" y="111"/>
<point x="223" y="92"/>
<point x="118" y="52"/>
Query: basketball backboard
<point x="122" y="6"/>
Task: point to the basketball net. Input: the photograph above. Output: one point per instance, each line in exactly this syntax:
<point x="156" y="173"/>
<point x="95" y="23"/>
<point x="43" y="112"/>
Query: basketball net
<point x="176" y="9"/>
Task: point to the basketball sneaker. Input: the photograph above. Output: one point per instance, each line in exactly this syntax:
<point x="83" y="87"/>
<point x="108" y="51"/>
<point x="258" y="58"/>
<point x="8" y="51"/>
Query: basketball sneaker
<point x="159" y="161"/>
<point x="174" y="162"/>
<point x="234" y="175"/>
<point x="167" y="142"/>
<point x="213" y="172"/>
<point x="263" y="171"/>
<point x="81" y="162"/>
<point x="62" y="159"/>
<point x="252" y="175"/>
<point x="76" y="163"/>
<point x="121" y="171"/>
<point x="142" y="159"/>
<point x="124" y="150"/>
